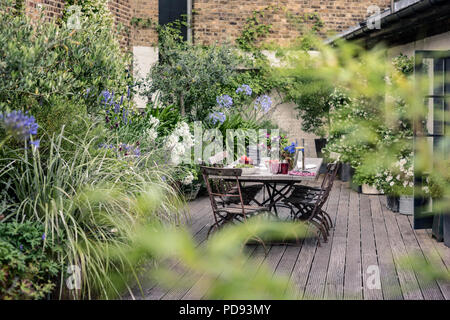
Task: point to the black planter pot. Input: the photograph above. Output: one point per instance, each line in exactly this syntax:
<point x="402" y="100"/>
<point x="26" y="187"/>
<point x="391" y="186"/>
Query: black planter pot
<point x="438" y="227"/>
<point x="447" y="229"/>
<point x="345" y="172"/>
<point x="392" y="203"/>
<point x="320" y="144"/>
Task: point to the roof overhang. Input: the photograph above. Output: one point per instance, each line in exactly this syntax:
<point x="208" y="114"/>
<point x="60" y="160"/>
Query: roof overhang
<point x="408" y="21"/>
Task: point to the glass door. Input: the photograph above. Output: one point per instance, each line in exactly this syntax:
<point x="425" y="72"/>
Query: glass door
<point x="434" y="67"/>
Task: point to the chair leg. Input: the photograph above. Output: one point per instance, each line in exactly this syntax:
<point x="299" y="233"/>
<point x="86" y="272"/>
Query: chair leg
<point x="321" y="229"/>
<point x="215" y="225"/>
<point x="324" y="222"/>
<point x="328" y="218"/>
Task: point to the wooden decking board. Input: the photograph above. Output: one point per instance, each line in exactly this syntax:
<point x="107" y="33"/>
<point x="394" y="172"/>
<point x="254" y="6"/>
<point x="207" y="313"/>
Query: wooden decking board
<point x="199" y="228"/>
<point x="429" y="289"/>
<point x="408" y="282"/>
<point x="366" y="233"/>
<point x="302" y="267"/>
<point x="315" y="286"/>
<point x="432" y="255"/>
<point x="201" y="287"/>
<point x="368" y="250"/>
<point x="353" y="274"/>
<point x="388" y="274"/>
<point x="334" y="288"/>
<point x="442" y="250"/>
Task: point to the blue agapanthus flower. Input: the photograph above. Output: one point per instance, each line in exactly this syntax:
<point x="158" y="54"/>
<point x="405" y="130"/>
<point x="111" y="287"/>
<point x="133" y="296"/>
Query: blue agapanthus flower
<point x="245" y="88"/>
<point x="224" y="101"/>
<point x="19" y="125"/>
<point x="291" y="148"/>
<point x="217" y="116"/>
<point x="35" y="143"/>
<point x="263" y="102"/>
<point x="107" y="97"/>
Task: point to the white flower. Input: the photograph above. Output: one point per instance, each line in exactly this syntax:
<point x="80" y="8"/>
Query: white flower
<point x="426" y="189"/>
<point x="154" y="122"/>
<point x="188" y="179"/>
<point x="151" y="134"/>
<point x="172" y="140"/>
<point x="392" y="183"/>
<point x="389" y="178"/>
<point x="179" y="149"/>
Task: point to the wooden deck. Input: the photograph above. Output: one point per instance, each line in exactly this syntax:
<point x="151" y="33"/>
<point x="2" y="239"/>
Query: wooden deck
<point x="365" y="234"/>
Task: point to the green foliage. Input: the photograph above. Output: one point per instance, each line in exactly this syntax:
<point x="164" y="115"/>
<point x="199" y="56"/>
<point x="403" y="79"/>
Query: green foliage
<point x="93" y="10"/>
<point x="27" y="270"/>
<point x="189" y="76"/>
<point x="144" y="23"/>
<point x="254" y="29"/>
<point x="89" y="203"/>
<point x="257" y="28"/>
<point x="47" y="69"/>
<point x="404" y="64"/>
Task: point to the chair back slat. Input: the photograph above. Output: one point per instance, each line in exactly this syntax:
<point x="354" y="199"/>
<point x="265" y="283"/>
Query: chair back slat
<point x="226" y="172"/>
<point x="218" y="188"/>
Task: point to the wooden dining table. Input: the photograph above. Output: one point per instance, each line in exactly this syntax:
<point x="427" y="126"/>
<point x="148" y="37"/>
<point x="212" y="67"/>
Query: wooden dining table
<point x="279" y="186"/>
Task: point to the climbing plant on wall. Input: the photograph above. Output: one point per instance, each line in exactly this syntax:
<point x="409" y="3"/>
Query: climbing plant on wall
<point x="257" y="26"/>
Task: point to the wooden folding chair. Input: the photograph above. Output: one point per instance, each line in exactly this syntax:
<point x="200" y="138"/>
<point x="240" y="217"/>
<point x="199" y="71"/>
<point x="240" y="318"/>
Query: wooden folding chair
<point x="220" y="192"/>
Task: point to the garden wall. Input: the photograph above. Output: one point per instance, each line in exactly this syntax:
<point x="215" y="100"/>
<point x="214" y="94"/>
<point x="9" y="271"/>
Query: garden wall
<point x="53" y="9"/>
<point x="222" y="20"/>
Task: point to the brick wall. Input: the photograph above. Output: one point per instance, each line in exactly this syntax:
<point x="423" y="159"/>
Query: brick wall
<point x="144" y="9"/>
<point x="222" y="20"/>
<point x="121" y="10"/>
<point x="53" y="9"/>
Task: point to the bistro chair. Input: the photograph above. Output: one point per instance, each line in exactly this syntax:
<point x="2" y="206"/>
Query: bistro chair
<point x="249" y="191"/>
<point x="226" y="196"/>
<point x="302" y="191"/>
<point x="309" y="201"/>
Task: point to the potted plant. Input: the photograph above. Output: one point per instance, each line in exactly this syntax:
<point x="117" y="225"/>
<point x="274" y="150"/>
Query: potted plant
<point x="434" y="188"/>
<point x="397" y="181"/>
<point x="367" y="181"/>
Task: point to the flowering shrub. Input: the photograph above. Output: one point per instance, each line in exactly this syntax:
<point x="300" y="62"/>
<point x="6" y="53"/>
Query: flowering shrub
<point x="347" y="115"/>
<point x="224" y="101"/>
<point x="19" y="126"/>
<point x="178" y="148"/>
<point x="189" y="76"/>
<point x="263" y="103"/>
<point x="242" y="106"/>
<point x="47" y="68"/>
<point x="397" y="180"/>
<point x="245" y="88"/>
<point x="217" y="117"/>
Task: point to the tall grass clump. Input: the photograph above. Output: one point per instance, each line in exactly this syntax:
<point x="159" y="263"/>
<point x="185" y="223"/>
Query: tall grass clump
<point x="89" y="202"/>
